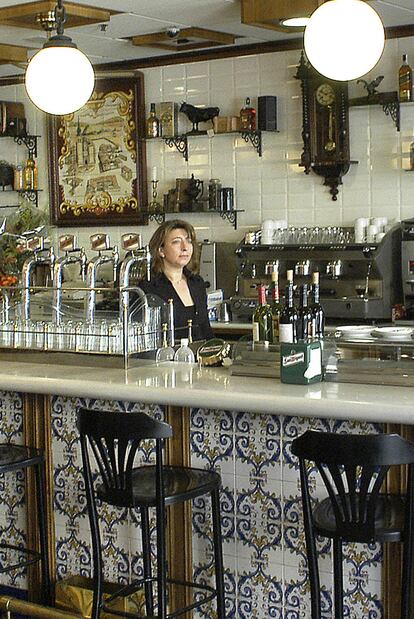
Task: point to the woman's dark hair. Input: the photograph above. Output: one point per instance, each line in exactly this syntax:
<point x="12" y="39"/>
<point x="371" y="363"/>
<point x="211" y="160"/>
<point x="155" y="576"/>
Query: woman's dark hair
<point x="158" y="239"/>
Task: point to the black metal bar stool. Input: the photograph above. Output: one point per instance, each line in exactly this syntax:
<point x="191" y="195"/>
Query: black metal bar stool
<point x="114" y="439"/>
<point x="12" y="557"/>
<point x="353" y="469"/>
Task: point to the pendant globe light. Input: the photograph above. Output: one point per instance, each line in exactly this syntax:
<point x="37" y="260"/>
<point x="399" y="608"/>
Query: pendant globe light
<point x="344" y="39"/>
<point x="59" y="78"/>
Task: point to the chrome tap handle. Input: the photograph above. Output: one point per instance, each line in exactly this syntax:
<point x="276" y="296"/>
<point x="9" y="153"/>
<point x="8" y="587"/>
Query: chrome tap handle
<point x="131" y="241"/>
<point x="100" y="242"/>
<point x="68" y="242"/>
<point x="115" y="257"/>
<point x="83" y="263"/>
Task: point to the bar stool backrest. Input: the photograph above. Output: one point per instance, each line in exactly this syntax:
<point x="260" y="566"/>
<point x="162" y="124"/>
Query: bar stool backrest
<point x="353" y="469"/>
<point x="114" y="438"/>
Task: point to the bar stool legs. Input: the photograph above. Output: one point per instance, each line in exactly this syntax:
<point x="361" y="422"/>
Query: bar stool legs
<point x="40" y="476"/>
<point x="146" y="551"/>
<point x="218" y="553"/>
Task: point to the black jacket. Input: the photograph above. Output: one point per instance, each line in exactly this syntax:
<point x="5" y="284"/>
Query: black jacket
<point x="161" y="286"/>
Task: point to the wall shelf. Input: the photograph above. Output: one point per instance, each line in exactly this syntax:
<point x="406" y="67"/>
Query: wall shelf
<point x="159" y="216"/>
<point x="388" y="100"/>
<point x="180" y="142"/>
<point x="30" y="142"/>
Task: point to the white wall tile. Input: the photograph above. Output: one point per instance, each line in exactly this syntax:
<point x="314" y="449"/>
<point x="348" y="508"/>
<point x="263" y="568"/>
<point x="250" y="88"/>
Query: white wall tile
<point x="272" y="185"/>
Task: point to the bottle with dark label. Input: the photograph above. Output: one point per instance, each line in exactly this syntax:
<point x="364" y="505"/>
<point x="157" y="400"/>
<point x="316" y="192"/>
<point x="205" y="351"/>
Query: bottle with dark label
<point x="405" y="80"/>
<point x="262" y="318"/>
<point x="248" y="117"/>
<point x="288" y="318"/>
<point x="275" y="306"/>
<point x="318" y="315"/>
<point x="153" y="124"/>
<point x="304" y="329"/>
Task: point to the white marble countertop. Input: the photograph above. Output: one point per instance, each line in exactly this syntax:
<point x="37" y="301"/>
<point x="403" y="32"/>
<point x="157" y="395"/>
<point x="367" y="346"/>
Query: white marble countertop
<point x="180" y="384"/>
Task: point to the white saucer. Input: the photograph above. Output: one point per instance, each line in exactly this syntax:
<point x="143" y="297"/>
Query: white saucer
<point x="393" y="333"/>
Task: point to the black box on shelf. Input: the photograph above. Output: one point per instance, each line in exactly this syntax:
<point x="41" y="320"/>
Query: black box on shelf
<point x="267" y="113"/>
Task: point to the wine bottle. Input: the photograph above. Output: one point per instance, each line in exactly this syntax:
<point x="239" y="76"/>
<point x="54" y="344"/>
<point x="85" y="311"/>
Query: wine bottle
<point x="304" y="329"/>
<point x="153" y="124"/>
<point x="248" y="117"/>
<point x="275" y="306"/>
<point x="262" y="318"/>
<point x="405" y="80"/>
<point x="318" y="315"/>
<point x="288" y="318"/>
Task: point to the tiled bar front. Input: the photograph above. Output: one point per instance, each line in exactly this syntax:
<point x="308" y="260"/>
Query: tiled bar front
<point x="266" y="571"/>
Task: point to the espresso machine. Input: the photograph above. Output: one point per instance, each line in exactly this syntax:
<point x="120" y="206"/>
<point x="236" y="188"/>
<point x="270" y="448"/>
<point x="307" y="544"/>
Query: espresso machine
<point x="358" y="281"/>
<point x="407" y="266"/>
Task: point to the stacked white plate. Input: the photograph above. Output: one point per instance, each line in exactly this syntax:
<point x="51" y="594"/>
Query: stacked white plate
<point x="393" y="333"/>
<point x="354" y="332"/>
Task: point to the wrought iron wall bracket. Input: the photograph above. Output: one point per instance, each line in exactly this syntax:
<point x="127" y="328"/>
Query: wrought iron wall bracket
<point x="388" y="100"/>
<point x="30" y="141"/>
<point x="179" y="142"/>
<point x="255" y="139"/>
<point x="230" y="216"/>
<point x="31" y="195"/>
<point x="157" y="217"/>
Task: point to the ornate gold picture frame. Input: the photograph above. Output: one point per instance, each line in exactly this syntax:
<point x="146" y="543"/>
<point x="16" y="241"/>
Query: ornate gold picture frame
<point x="96" y="159"/>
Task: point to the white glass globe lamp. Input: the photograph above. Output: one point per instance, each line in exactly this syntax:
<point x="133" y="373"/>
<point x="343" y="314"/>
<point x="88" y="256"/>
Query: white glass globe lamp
<point x="59" y="78"/>
<point x="344" y="39"/>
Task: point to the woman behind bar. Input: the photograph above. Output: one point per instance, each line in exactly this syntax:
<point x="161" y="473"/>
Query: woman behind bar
<point x="174" y="264"/>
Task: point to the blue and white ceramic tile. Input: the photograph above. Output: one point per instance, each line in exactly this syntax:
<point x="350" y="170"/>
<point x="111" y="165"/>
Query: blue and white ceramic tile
<point x="12" y="486"/>
<point x="263" y="540"/>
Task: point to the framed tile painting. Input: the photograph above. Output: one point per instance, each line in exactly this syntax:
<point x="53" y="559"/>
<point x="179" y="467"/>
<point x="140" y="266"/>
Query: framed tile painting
<point x="97" y="171"/>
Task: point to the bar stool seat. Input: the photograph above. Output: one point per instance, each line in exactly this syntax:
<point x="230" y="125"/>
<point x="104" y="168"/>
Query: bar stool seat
<point x="353" y="469"/>
<point x="180" y="484"/>
<point x="14" y="458"/>
<point x="114" y="439"/>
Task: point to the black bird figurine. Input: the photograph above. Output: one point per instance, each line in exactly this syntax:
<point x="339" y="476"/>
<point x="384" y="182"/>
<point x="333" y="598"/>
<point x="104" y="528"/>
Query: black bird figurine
<point x="371" y="87"/>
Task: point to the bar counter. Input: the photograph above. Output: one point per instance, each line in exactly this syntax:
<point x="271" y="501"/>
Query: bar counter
<point x="177" y="384"/>
<point x="242" y="427"/>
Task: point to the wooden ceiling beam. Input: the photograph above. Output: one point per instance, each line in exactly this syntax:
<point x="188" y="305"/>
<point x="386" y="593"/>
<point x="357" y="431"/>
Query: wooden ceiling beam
<point x="197" y="38"/>
<point x="12" y="53"/>
<point x="24" y="15"/>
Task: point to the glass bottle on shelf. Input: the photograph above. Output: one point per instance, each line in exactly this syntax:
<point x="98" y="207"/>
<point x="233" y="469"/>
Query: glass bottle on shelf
<point x="275" y="306"/>
<point x="262" y="319"/>
<point x="18" y="181"/>
<point x="318" y="315"/>
<point x="405" y="80"/>
<point x="247" y="117"/>
<point x="153" y="124"/>
<point x="304" y="326"/>
<point x="30" y="175"/>
<point x="288" y="317"/>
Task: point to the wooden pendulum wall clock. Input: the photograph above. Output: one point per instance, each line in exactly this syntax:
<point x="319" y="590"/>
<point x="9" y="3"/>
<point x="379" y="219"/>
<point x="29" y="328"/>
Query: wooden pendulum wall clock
<point x="325" y="126"/>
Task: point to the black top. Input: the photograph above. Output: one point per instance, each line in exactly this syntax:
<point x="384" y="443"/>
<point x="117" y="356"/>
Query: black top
<point x="161" y="286"/>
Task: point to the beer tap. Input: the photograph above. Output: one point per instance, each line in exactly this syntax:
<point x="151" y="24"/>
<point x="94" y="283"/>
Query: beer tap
<point x="136" y="254"/>
<point x="72" y="255"/>
<point x="41" y="255"/>
<point x="99" y="243"/>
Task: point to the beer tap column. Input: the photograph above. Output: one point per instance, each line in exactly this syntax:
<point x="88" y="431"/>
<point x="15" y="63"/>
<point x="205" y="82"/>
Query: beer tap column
<point x="101" y="244"/>
<point x="72" y="255"/>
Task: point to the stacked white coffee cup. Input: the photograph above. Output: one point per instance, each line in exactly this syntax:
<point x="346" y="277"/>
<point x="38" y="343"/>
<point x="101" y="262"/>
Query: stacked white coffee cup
<point x="370" y="230"/>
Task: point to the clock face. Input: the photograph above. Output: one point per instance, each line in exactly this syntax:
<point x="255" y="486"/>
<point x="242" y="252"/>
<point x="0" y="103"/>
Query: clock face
<point x="325" y="94"/>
